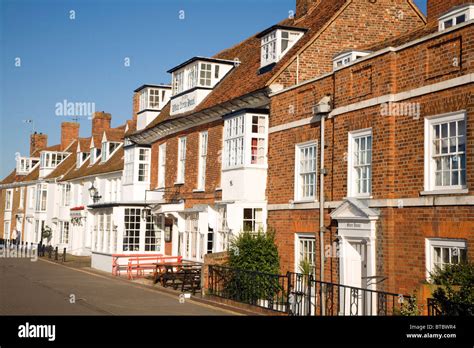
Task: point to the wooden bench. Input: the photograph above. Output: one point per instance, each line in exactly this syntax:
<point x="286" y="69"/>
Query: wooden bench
<point x="186" y="276"/>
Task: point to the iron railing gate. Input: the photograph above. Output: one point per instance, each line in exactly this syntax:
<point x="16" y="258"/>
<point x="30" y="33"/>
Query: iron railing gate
<point x="300" y="295"/>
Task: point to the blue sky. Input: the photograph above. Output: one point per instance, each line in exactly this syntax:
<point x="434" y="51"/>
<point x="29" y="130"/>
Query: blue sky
<point x="82" y="60"/>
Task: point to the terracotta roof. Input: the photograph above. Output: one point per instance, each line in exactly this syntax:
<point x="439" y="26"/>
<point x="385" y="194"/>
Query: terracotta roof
<point x="33" y="175"/>
<point x="65" y="166"/>
<point x="115" y="163"/>
<point x="115" y="134"/>
<point x="11" y="178"/>
<point x="245" y="78"/>
<point x="132" y="127"/>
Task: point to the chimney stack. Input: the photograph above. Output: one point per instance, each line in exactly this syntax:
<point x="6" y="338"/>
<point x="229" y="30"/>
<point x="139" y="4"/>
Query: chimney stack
<point x="436" y="8"/>
<point x="38" y="142"/>
<point x="69" y="133"/>
<point x="100" y="123"/>
<point x="303" y="7"/>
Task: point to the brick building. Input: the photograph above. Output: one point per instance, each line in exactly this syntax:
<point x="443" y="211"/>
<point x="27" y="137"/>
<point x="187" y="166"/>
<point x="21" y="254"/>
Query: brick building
<point x="209" y="144"/>
<point x="397" y="156"/>
<point x="235" y="144"/>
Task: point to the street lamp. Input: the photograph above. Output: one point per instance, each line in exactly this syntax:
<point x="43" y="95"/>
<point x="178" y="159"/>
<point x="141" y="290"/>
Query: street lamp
<point x="94" y="193"/>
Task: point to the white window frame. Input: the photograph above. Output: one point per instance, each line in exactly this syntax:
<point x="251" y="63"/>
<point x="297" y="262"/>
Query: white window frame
<point x="272" y="45"/>
<point x="180" y="177"/>
<point x="432" y="243"/>
<point x="8" y="199"/>
<point x="22" y="197"/>
<point x="430" y="164"/>
<point x="49" y="160"/>
<point x="261" y="137"/>
<point x="351" y="171"/>
<point x="305" y="237"/>
<point x="129" y="166"/>
<point x="41" y="197"/>
<point x="6" y="230"/>
<point x="453" y="16"/>
<point x="203" y="142"/>
<point x="31" y="197"/>
<point x="257" y="225"/>
<point x="65" y="194"/>
<point x="205" y="74"/>
<point x="162" y="166"/>
<point x="234" y="141"/>
<point x="64" y="232"/>
<point x="178" y="82"/>
<point x="143" y="165"/>
<point x="299" y="197"/>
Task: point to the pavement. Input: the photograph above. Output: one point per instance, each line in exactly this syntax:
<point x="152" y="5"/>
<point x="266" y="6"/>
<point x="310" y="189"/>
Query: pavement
<point x="46" y="288"/>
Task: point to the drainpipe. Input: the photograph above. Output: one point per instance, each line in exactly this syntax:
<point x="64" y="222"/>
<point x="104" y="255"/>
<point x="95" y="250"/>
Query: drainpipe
<point x="321" y="213"/>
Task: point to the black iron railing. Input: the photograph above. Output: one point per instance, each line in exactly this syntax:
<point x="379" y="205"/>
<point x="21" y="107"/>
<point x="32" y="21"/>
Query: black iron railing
<point x="259" y="289"/>
<point x="298" y="294"/>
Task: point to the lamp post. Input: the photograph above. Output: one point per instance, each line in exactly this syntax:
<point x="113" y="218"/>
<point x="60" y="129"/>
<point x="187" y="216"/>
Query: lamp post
<point x="94" y="193"/>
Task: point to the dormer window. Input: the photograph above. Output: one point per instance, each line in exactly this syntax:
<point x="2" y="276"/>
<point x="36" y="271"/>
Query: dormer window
<point x="95" y="155"/>
<point x="108" y="149"/>
<point x="456" y="16"/>
<point x="194" y="79"/>
<point x="81" y="158"/>
<point x="347" y="57"/>
<point x="25" y="165"/>
<point x="49" y="160"/>
<point x="153" y="97"/>
<point x="276" y="42"/>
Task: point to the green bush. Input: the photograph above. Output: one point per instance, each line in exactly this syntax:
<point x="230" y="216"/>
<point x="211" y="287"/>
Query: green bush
<point x="455" y="296"/>
<point x="255" y="263"/>
<point x="255" y="252"/>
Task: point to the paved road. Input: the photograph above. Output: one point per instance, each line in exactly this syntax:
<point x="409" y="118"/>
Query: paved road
<point x="43" y="288"/>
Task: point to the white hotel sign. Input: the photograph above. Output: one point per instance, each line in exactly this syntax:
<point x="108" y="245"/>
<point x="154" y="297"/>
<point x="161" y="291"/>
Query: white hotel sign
<point x="184" y="103"/>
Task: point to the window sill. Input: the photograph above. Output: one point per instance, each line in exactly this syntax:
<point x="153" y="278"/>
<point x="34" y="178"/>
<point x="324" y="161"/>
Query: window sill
<point x="444" y="192"/>
<point x="199" y="191"/>
<point x="304" y="201"/>
<point x="178" y="183"/>
<point x="218" y="189"/>
<point x="361" y="197"/>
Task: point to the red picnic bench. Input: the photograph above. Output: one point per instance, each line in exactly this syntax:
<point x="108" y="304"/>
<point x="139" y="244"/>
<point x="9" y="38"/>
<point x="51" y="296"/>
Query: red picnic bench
<point x="117" y="266"/>
<point x="140" y="264"/>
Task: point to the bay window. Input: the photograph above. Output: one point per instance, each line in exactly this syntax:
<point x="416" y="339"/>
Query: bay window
<point x="445" y="152"/>
<point x="276" y="42"/>
<point x="131" y="239"/>
<point x="129" y="165"/>
<point x="245" y="140"/>
<point x="152" y="233"/>
<point x="143" y="165"/>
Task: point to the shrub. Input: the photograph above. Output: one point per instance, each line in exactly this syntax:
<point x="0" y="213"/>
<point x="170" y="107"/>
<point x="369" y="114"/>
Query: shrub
<point x="256" y="264"/>
<point x="455" y="296"/>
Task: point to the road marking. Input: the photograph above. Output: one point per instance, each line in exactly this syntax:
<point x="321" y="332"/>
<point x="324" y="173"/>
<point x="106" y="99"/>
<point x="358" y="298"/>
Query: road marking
<point x="140" y="286"/>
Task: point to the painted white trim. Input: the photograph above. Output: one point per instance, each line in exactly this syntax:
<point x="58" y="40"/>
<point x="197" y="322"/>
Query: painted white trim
<point x="417" y="92"/>
<point x="428" y="201"/>
<point x="350" y="158"/>
<point x="296" y="195"/>
<point x="430" y="243"/>
<point x="429" y="163"/>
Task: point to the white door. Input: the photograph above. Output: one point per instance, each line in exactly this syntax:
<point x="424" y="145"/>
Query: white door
<point x="354" y="298"/>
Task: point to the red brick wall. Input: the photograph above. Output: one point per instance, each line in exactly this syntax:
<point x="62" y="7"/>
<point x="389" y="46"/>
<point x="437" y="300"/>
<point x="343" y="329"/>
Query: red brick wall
<point x="359" y="26"/>
<point x="437" y="8"/>
<point x="100" y="123"/>
<point x="398" y="153"/>
<point x="38" y="142"/>
<point x="213" y="165"/>
<point x="69" y="133"/>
